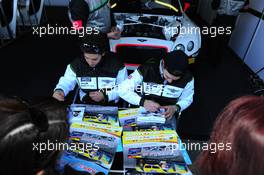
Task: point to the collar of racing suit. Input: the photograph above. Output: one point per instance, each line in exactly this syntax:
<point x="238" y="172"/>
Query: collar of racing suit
<point x="161" y="69"/>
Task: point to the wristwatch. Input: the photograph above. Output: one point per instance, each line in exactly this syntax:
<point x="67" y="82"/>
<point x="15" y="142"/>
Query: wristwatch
<point x="142" y="100"/>
<point x="178" y="108"/>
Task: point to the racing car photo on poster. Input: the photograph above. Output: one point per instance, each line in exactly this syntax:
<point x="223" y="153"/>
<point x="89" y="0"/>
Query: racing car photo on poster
<point x="150" y="28"/>
<point x="100" y="118"/>
<point x="160" y="167"/>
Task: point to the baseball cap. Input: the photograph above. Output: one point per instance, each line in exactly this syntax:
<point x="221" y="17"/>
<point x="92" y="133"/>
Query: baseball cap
<point x="94" y="43"/>
<point x="176" y="62"/>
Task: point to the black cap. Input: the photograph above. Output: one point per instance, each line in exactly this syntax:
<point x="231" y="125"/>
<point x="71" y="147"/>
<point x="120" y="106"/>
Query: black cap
<point x="94" y="43"/>
<point x="175" y="62"/>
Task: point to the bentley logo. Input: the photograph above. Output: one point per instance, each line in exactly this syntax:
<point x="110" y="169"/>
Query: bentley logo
<point x="107" y="81"/>
<point x="142" y="40"/>
<point x="172" y="90"/>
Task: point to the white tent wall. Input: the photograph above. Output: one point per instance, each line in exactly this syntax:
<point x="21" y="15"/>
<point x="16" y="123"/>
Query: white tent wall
<point x="248" y="37"/>
<point x="255" y="55"/>
<point x="242" y="35"/>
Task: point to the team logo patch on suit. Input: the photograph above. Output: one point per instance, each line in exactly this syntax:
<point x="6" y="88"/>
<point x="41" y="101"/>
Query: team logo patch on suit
<point x="106" y="82"/>
<point x="153" y="88"/>
<point x="171" y="91"/>
<point x="87" y="82"/>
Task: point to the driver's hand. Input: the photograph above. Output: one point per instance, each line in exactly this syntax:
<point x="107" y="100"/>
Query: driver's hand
<point x="169" y="111"/>
<point x="96" y="96"/>
<point x="116" y="34"/>
<point x="151" y="106"/>
<point x="59" y="95"/>
<point x="115" y="29"/>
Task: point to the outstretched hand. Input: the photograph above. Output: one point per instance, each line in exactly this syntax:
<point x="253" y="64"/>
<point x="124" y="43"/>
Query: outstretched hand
<point x="169" y="111"/>
<point x="59" y="95"/>
<point x="96" y="96"/>
<point x="114" y="34"/>
<point x="151" y="106"/>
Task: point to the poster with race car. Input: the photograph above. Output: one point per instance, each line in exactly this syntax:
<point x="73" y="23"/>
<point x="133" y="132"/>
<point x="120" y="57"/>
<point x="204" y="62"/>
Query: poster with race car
<point x="154" y="152"/>
<point x="95" y="142"/>
<point x="154" y="167"/>
<point x="157" y="127"/>
<point x="128" y="117"/>
<point x="137" y="117"/>
<point x="93" y="113"/>
<point x="79" y="164"/>
<point x="106" y="115"/>
<point x="161" y="166"/>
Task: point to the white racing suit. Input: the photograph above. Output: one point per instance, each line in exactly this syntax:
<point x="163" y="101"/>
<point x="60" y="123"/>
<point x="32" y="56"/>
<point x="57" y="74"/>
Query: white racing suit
<point x="147" y="82"/>
<point x="107" y="74"/>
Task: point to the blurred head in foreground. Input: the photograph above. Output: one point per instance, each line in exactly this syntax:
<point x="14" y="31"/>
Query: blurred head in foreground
<point x="23" y="129"/>
<point x="241" y="125"/>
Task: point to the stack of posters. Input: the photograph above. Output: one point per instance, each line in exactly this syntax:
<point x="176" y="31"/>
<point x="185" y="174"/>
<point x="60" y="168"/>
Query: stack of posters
<point x="136" y="117"/>
<point x="95" y="135"/>
<point x="151" y="151"/>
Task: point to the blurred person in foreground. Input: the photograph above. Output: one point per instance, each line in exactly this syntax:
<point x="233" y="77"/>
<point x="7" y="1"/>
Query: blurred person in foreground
<point x="24" y="128"/>
<point x="241" y="125"/>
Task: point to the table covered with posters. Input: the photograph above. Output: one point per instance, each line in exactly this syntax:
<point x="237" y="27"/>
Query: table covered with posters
<point x="108" y="140"/>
